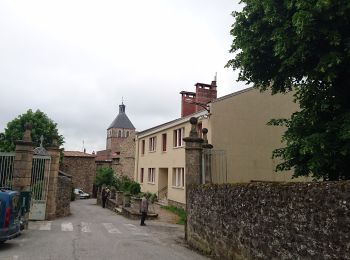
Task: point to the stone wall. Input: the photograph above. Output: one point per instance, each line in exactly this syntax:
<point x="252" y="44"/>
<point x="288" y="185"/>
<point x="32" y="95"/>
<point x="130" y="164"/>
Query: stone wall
<point x="64" y="188"/>
<point x="121" y="159"/>
<point x="127" y="159"/>
<point x="83" y="171"/>
<point x="270" y="220"/>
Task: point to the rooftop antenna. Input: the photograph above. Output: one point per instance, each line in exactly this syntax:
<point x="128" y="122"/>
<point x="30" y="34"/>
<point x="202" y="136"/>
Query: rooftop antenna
<point x="216" y="76"/>
<point x="84" y="147"/>
<point x="122" y="100"/>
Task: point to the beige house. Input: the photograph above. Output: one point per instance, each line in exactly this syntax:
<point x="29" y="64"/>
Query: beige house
<point x="160" y="158"/>
<point x="237" y="125"/>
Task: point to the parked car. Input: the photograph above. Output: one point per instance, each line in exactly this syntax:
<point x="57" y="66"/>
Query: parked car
<point x="9" y="214"/>
<point x="81" y="193"/>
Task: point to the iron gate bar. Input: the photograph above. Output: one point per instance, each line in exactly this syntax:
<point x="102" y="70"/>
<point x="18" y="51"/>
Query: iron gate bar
<point x="40" y="173"/>
<point x="39" y="186"/>
<point x="6" y="169"/>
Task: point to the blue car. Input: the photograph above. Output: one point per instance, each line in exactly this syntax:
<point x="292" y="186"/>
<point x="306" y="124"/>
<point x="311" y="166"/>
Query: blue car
<point x="9" y="214"/>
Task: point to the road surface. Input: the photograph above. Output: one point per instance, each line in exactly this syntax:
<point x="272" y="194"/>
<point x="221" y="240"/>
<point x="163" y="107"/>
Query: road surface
<point x="94" y="233"/>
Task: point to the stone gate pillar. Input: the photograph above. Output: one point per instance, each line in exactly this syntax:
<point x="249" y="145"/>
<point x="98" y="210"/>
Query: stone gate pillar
<point x="193" y="155"/>
<point x="23" y="161"/>
<point x="193" y="160"/>
<point x="54" y="153"/>
<point x="206" y="164"/>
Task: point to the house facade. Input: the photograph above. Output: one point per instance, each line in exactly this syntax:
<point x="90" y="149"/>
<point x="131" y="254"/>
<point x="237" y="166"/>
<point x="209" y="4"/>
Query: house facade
<point x="237" y="125"/>
<point x="160" y="158"/>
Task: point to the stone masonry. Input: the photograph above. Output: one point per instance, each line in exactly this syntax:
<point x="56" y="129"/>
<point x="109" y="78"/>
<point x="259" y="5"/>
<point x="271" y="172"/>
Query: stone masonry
<point x="270" y="220"/>
<point x="81" y="166"/>
<point x="64" y="188"/>
<point x="54" y="153"/>
<point x="23" y="162"/>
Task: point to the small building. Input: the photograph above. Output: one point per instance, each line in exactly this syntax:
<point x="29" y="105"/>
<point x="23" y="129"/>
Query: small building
<point x="82" y="169"/>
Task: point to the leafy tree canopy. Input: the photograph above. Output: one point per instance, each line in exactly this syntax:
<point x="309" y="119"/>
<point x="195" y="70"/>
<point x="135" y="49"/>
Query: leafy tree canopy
<point x="41" y="125"/>
<point x="105" y="175"/>
<point x="302" y="46"/>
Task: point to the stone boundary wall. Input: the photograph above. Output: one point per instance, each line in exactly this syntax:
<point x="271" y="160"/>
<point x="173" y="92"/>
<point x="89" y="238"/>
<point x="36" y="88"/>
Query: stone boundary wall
<point x="83" y="171"/>
<point x="270" y="220"/>
<point x="64" y="189"/>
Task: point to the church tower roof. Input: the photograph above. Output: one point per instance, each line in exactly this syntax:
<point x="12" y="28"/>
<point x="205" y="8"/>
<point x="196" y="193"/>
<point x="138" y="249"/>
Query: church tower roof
<point x="122" y="120"/>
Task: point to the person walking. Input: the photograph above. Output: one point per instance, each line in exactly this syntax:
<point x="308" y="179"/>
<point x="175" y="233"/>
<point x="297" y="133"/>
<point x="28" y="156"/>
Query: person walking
<point x="143" y="209"/>
<point x="104" y="197"/>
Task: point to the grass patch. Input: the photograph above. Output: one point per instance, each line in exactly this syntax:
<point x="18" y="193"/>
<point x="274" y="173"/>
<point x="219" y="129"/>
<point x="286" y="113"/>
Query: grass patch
<point x="178" y="211"/>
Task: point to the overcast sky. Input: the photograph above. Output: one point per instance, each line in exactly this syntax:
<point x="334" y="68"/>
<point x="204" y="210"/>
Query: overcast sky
<point x="76" y="59"/>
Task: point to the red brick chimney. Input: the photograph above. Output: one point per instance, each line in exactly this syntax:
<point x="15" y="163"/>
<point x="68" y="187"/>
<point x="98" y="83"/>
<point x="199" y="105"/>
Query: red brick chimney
<point x="205" y="93"/>
<point x="187" y="103"/>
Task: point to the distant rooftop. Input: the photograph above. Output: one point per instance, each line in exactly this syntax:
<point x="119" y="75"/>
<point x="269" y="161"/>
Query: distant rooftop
<point x="77" y="154"/>
<point x="122" y="120"/>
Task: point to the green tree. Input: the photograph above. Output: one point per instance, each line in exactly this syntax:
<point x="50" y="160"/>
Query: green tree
<point x="105" y="175"/>
<point x="302" y="46"/>
<point x="41" y="125"/>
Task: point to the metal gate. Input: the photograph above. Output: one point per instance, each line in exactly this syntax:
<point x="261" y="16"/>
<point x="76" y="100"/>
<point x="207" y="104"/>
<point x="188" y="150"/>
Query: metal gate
<point x="6" y="169"/>
<point x="39" y="184"/>
<point x="214" y="166"/>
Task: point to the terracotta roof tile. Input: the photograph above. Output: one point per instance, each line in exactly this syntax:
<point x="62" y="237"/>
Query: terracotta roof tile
<point x="77" y="154"/>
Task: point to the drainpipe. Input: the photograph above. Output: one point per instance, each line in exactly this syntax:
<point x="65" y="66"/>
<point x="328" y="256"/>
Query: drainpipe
<point x="136" y="173"/>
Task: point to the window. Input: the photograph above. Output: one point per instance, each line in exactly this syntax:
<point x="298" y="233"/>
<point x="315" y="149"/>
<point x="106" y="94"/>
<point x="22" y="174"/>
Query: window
<point x="178" y="135"/>
<point x="178" y="177"/>
<point x="143" y="147"/>
<point x="119" y="133"/>
<point x="163" y="142"/>
<point x="151" y="175"/>
<point x="152" y="144"/>
<point x="127" y="133"/>
<point x="141" y="175"/>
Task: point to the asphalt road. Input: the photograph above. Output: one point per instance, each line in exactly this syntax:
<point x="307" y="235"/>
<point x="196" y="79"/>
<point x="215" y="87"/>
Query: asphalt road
<point x="92" y="232"/>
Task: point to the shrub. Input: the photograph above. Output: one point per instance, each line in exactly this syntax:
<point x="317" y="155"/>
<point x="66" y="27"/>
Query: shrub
<point x="134" y="188"/>
<point x="153" y="197"/>
<point x="128" y="185"/>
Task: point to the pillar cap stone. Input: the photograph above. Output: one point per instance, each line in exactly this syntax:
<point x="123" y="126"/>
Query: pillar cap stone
<point x="193" y="137"/>
<point x="206" y="145"/>
<point x="22" y="142"/>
